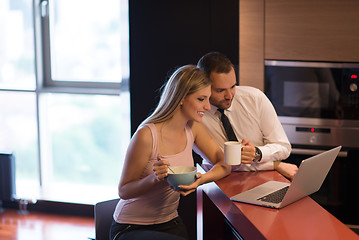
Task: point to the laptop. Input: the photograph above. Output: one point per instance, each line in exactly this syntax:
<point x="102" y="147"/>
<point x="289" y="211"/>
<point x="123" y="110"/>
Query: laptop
<point x="308" y="179"/>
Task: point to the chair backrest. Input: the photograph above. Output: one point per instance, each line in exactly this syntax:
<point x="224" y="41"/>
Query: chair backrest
<point x="7" y="177"/>
<point x="103" y="218"/>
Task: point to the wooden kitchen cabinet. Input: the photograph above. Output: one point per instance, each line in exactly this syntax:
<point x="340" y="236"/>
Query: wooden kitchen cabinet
<point x="305" y="30"/>
<point x="312" y="30"/>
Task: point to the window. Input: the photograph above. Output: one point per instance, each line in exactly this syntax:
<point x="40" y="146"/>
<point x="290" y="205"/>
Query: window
<point x="18" y="134"/>
<point x="85" y="47"/>
<point x="64" y="99"/>
<point x="16" y="57"/>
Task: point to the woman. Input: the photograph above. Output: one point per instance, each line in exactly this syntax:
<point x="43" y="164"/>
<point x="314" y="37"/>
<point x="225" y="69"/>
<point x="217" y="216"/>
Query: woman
<point x="148" y="206"/>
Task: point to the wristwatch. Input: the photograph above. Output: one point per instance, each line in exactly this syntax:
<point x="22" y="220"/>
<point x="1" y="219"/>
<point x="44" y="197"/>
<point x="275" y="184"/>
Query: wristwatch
<point x="258" y="155"/>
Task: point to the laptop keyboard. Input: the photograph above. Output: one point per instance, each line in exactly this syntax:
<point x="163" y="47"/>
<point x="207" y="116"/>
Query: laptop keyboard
<point x="275" y="197"/>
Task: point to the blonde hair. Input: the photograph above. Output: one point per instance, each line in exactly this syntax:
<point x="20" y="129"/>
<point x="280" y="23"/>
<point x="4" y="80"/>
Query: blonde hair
<point x="183" y="82"/>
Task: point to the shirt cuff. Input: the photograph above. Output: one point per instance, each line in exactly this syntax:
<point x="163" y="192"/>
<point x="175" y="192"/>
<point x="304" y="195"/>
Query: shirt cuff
<point x="266" y="154"/>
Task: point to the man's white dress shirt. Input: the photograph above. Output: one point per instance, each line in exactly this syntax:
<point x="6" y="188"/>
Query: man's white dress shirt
<point x="252" y="116"/>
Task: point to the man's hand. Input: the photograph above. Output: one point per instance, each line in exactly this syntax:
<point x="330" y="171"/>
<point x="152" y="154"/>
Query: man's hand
<point x="288" y="170"/>
<point x="248" y="151"/>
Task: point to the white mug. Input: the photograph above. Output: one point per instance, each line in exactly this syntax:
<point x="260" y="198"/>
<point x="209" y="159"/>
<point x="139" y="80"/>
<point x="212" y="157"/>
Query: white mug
<point x="232" y="152"/>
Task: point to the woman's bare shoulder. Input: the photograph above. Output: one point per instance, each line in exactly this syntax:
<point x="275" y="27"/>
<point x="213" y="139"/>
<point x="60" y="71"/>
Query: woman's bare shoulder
<point x="143" y="136"/>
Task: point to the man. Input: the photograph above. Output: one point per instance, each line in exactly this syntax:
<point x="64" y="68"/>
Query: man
<point x="251" y="115"/>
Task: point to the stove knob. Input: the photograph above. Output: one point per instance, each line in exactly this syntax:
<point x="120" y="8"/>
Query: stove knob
<point x="312" y="139"/>
<point x="353" y="87"/>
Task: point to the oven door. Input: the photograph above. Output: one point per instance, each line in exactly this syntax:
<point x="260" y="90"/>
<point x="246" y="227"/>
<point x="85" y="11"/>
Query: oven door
<point x="317" y="103"/>
<point x="313" y="90"/>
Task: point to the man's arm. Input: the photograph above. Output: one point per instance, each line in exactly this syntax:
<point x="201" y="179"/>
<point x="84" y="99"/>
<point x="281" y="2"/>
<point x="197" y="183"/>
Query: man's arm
<point x="288" y="170"/>
<point x="276" y="144"/>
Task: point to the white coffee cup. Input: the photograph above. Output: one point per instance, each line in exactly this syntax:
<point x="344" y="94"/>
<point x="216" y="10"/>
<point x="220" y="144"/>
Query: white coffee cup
<point x="232" y="152"/>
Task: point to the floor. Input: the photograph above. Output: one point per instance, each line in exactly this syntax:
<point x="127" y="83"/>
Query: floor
<point x="44" y="226"/>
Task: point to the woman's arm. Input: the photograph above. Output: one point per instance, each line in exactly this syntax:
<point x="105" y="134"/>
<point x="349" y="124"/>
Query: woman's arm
<point x="211" y="150"/>
<point x="208" y="147"/>
<point x="138" y="154"/>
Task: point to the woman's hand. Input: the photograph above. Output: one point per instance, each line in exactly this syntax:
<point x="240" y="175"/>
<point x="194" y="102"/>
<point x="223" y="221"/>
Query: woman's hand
<point x="187" y="189"/>
<point x="160" y="168"/>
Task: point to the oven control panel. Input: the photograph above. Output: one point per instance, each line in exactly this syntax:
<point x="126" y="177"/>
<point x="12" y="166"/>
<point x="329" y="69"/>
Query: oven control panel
<point x="322" y="136"/>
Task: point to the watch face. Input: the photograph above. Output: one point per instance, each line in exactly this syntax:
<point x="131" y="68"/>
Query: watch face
<point x="258" y="155"/>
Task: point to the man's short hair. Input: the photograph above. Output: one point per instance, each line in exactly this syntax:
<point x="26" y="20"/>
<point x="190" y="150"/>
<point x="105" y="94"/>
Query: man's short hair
<point x="215" y="62"/>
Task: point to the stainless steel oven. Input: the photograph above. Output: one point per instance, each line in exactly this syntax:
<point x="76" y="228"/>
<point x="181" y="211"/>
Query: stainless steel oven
<point x="317" y="102"/>
<point x="318" y="106"/>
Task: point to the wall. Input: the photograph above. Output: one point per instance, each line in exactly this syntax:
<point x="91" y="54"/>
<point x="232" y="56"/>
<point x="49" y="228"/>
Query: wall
<point x="167" y="34"/>
<point x="251" y="43"/>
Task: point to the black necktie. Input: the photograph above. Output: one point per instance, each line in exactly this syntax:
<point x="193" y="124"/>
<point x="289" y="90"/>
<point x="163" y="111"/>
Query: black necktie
<point x="227" y="126"/>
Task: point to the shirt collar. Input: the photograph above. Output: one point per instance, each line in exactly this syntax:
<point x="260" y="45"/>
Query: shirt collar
<point x="213" y="109"/>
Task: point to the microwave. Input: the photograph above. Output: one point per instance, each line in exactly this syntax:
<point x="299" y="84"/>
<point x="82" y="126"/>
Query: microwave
<point x="316" y="102"/>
